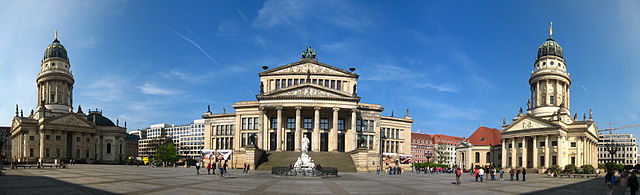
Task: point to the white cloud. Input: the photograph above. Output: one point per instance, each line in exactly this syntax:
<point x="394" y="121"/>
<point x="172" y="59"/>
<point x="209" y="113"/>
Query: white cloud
<point x="150" y="89"/>
<point x="444" y="110"/>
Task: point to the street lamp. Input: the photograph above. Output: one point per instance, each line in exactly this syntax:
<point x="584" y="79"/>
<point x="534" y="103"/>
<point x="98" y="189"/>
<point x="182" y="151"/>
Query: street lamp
<point x="612" y="149"/>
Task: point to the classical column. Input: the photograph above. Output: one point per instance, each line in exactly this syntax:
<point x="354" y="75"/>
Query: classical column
<point x="504" y="153"/>
<point x="333" y="133"/>
<point x="279" y="130"/>
<point x="351" y="134"/>
<point x="547" y="157"/>
<point x="298" y="135"/>
<point x="514" y="155"/>
<point x="559" y="152"/>
<point x="315" y="138"/>
<point x="580" y="151"/>
<point x="25" y="151"/>
<point x="535" y="152"/>
<point x="261" y="129"/>
<point x="524" y="152"/>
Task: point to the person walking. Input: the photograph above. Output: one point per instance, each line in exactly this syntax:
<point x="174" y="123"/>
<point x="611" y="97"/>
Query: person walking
<point x="378" y="170"/>
<point x="633" y="183"/>
<point x="220" y="169"/>
<point x="198" y="168"/>
<point x="524" y="174"/>
<point x="481" y="173"/>
<point x="476" y="173"/>
<point x="610" y="180"/>
<point x="493" y="174"/>
<point x="224" y="168"/>
<point x="501" y="174"/>
<point x="458" y="174"/>
<point x="213" y="167"/>
<point x="209" y="168"/>
<point x="511" y="173"/>
<point x="517" y="174"/>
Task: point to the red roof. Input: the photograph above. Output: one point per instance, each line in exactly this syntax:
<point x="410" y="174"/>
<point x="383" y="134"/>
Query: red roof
<point x="420" y="136"/>
<point x="485" y="136"/>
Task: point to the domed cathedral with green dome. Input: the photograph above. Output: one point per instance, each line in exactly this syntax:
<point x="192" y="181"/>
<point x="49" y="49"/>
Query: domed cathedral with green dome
<point x="546" y="133"/>
<point x="54" y="131"/>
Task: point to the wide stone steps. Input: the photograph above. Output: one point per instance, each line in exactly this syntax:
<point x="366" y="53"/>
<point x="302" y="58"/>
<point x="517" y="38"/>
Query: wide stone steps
<point x="340" y="160"/>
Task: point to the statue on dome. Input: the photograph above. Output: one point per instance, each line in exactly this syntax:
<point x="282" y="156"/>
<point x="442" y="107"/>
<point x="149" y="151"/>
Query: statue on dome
<point x="309" y="53"/>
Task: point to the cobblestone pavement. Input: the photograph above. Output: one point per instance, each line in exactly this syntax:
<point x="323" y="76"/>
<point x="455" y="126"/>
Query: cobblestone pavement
<point x="109" y="179"/>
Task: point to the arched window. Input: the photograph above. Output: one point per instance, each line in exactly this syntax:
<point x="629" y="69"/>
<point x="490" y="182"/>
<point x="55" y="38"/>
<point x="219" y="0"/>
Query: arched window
<point x="108" y="148"/>
<point x="477" y="157"/>
<point x="488" y="157"/>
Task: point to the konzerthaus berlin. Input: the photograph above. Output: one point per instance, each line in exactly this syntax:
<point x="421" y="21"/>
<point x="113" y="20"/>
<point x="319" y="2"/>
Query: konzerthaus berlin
<point x="312" y="99"/>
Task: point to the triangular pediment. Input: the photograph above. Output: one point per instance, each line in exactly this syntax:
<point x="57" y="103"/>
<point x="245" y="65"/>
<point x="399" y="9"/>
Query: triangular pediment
<point x="69" y="120"/>
<point x="529" y="122"/>
<point x="308" y="90"/>
<point x="308" y="66"/>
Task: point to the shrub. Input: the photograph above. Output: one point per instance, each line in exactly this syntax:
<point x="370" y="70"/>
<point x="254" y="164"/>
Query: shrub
<point x="588" y="169"/>
<point x="554" y="169"/>
<point x="637" y="167"/>
<point x="570" y="168"/>
<point x="628" y="167"/>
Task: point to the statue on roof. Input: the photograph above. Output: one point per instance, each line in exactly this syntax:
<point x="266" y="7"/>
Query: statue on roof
<point x="309" y="53"/>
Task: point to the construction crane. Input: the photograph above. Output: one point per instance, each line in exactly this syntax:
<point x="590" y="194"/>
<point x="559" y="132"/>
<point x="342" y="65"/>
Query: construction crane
<point x="618" y="128"/>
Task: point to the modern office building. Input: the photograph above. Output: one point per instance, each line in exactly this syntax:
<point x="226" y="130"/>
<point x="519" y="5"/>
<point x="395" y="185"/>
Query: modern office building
<point x="188" y="139"/>
<point x="625" y="144"/>
<point x="54" y="130"/>
<point x="309" y="99"/>
<point x="546" y="134"/>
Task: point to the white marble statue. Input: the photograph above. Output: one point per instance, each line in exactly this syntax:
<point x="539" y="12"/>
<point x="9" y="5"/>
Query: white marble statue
<point x="305" y="144"/>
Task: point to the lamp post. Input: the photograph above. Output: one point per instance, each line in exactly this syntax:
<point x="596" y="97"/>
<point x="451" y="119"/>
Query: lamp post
<point x="612" y="149"/>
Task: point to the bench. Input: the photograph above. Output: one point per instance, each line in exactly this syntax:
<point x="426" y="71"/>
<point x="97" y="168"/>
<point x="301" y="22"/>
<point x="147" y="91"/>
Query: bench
<point x="579" y="175"/>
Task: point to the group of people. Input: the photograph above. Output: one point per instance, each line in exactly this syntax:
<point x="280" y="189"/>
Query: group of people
<point x="628" y="179"/>
<point x="493" y="173"/>
<point x="219" y="164"/>
<point x="391" y="170"/>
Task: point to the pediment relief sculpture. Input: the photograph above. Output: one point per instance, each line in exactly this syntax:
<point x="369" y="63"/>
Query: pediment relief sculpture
<point x="309" y="67"/>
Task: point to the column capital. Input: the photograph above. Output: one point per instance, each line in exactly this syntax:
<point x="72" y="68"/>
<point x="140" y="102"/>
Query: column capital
<point x="354" y="110"/>
<point x="317" y="108"/>
<point x="298" y="107"/>
<point x="261" y="108"/>
<point x="279" y="108"/>
<point x="336" y="109"/>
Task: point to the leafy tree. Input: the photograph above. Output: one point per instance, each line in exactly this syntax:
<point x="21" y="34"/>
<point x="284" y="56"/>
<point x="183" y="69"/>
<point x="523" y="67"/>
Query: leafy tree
<point x="570" y="168"/>
<point x="637" y="167"/>
<point x="588" y="169"/>
<point x="167" y="152"/>
<point x="441" y="153"/>
<point x="628" y="167"/>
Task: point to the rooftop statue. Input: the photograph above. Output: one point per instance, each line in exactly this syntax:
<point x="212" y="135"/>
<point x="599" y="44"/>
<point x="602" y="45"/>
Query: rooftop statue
<point x="309" y="53"/>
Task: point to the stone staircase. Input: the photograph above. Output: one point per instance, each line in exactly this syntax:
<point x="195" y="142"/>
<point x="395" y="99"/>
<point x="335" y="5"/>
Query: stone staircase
<point x="340" y="160"/>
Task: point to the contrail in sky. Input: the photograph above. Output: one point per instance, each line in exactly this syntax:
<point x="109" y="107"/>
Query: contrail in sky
<point x="197" y="46"/>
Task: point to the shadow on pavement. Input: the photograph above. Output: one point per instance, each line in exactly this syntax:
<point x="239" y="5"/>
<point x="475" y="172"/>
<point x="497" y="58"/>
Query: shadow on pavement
<point x="590" y="186"/>
<point x="14" y="184"/>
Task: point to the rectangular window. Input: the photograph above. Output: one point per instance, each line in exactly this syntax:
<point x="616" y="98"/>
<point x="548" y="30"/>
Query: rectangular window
<point x="554" y="143"/>
<point x="58" y="137"/>
<point x="365" y="125"/>
<point x="382" y="135"/>
<point x="397" y="133"/>
<point x="554" y="160"/>
<point x="289" y="82"/>
<point x="295" y="81"/>
<point x="244" y="123"/>
<point x="31" y="152"/>
<point x="510" y="145"/>
<point x="32" y="137"/>
<point x="339" y="85"/>
<point x="48" y="137"/>
<point x="57" y="152"/>
<point x="542" y="144"/>
<point x="308" y="123"/>
<point x="274" y="123"/>
<point x="519" y="145"/>
<point x="326" y="83"/>
<point x="255" y="123"/>
<point x="47" y="152"/>
<point x="302" y="81"/>
<point x="314" y="81"/>
<point x="370" y="142"/>
<point x="341" y="125"/>
<point x="78" y="140"/>
<point x="552" y="100"/>
<point x="244" y="140"/>
<point x="573" y="144"/>
<point x="277" y="83"/>
<point x="324" y="124"/>
<point x="88" y="139"/>
<point x="291" y="123"/>
<point x="371" y="126"/>
<point x="333" y="84"/>
<point x="358" y="125"/>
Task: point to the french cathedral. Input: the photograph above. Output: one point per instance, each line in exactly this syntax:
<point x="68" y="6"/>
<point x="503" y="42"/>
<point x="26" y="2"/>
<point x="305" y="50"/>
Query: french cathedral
<point x="54" y="131"/>
<point x="546" y="134"/>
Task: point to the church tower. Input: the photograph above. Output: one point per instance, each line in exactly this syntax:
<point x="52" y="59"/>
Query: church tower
<point x="550" y="83"/>
<point x="55" y="81"/>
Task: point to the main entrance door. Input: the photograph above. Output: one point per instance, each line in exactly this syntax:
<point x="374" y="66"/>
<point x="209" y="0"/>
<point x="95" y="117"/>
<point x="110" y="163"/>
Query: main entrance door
<point x="272" y="141"/>
<point x="324" y="142"/>
<point x="69" y="145"/>
<point x="341" y="142"/>
<point x="290" y="141"/>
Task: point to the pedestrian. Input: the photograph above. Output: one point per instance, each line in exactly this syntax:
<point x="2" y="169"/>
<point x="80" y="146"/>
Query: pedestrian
<point x="220" y="168"/>
<point x="197" y="168"/>
<point x="458" y="174"/>
<point x="633" y="183"/>
<point x="209" y="168"/>
<point x="378" y="170"/>
<point x="610" y="180"/>
<point x="481" y="172"/>
<point x="475" y="173"/>
<point x="511" y="173"/>
<point x="493" y="174"/>
<point x="517" y="174"/>
<point x="524" y="174"/>
<point x="501" y="174"/>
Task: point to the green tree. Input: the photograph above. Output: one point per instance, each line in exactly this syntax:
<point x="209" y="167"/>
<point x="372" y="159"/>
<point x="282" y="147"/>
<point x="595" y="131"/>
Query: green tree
<point x="637" y="167"/>
<point x="441" y="153"/>
<point x="167" y="152"/>
<point x="554" y="169"/>
<point x="570" y="168"/>
<point x="588" y="169"/>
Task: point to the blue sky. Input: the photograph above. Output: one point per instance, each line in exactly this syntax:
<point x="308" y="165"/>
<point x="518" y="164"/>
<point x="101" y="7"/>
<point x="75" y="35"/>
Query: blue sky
<point x="454" y="64"/>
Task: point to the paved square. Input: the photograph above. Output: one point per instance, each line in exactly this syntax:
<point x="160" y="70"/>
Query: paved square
<point x="110" y="179"/>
